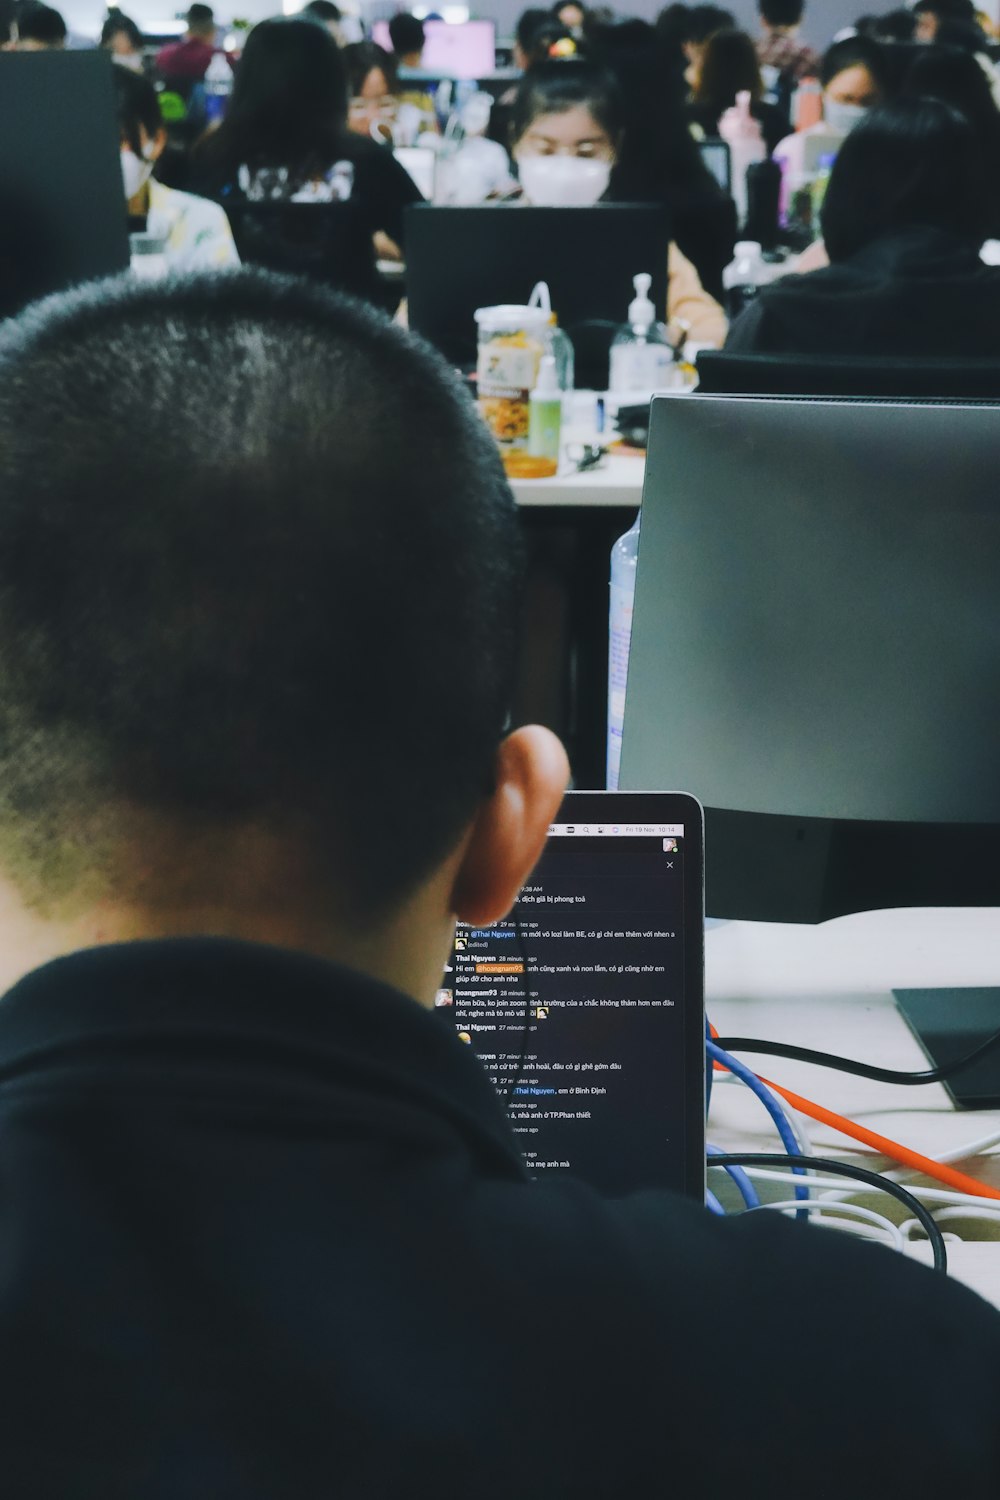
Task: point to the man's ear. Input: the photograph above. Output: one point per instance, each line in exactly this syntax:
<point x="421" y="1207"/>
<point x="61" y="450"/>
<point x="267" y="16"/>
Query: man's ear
<point x="509" y="832"/>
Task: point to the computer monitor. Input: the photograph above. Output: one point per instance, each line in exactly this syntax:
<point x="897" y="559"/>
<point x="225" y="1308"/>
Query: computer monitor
<point x="62" y="204"/>
<point x="815" y="649"/>
<point x="463" y="49"/>
<point x="462" y="258"/>
<point x="723" y="372"/>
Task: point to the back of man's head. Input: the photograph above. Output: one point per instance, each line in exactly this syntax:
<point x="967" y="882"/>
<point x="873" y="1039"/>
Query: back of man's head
<point x="259" y="566"/>
<point x="200" y="20"/>
<point x="41" y="26"/>
<point x="781" y="12"/>
<point x="406" y="32"/>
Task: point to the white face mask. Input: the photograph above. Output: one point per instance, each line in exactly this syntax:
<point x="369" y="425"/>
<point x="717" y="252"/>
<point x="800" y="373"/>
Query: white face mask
<point x="842" y="117"/>
<point x="135" y="172"/>
<point x="563" y="181"/>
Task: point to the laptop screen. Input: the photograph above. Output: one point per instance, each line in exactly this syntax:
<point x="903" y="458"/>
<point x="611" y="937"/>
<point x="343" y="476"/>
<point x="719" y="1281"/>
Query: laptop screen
<point x="586" y="1004"/>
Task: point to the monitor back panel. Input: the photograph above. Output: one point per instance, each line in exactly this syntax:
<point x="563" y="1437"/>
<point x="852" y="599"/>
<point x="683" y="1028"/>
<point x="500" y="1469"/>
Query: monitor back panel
<point x="62" y="208"/>
<point x="817" y="619"/>
<point x="459" y="259"/>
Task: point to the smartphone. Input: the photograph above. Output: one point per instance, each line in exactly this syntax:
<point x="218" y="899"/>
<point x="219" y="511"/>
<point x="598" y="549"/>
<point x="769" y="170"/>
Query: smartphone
<point x="586" y="1004"/>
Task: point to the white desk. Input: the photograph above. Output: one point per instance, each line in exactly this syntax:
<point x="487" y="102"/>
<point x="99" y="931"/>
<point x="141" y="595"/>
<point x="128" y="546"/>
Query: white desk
<point x="618" y="483"/>
<point x="829" y="987"/>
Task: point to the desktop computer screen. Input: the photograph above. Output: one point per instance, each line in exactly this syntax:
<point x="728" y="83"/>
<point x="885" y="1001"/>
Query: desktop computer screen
<point x="815" y="649"/>
<point x="465" y="49"/>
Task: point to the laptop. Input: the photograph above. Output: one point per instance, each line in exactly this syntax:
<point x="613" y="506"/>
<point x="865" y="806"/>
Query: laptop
<point x="586" y="1004"/>
<point x="62" y="203"/>
<point x="462" y="258"/>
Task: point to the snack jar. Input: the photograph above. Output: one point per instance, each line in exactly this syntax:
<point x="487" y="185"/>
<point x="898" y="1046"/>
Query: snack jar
<point x="512" y="340"/>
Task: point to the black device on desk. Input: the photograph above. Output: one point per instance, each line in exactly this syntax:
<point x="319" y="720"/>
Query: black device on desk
<point x="62" y="203"/>
<point x="459" y="259"/>
<point x="816" y="652"/>
<point x="723" y="372"/>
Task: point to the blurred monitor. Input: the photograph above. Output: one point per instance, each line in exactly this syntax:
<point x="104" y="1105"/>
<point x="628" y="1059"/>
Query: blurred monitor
<point x="716" y="157"/>
<point x="722" y="372"/>
<point x="816" y="649"/>
<point x="459" y="259"/>
<point x="466" y="49"/>
<point x="62" y="203"/>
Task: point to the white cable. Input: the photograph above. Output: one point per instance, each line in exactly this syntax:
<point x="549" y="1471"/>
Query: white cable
<point x="834" y="1211"/>
<point x="914" y="1233"/>
<point x="836" y="1185"/>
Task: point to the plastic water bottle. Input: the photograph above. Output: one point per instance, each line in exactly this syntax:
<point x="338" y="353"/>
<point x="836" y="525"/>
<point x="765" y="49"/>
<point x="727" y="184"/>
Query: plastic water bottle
<point x="744" y="276"/>
<point x="218" y="83"/>
<point x="624" y="555"/>
<point x="742" y="132"/>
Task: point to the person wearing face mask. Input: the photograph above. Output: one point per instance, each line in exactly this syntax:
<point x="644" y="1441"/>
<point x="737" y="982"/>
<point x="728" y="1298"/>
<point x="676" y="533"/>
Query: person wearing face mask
<point x="854" y="76"/>
<point x="908" y="207"/>
<point x="566" y="136"/>
<point x="196" y="232"/>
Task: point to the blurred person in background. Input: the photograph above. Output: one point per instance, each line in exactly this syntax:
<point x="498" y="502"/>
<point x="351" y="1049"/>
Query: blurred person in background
<point x="658" y="160"/>
<point x="957" y="77"/>
<point x="372" y="84"/>
<point x="567" y="131"/>
<point x="285" y="136"/>
<point x="780" y="46"/>
<point x="122" y="38"/>
<point x="727" y="66"/>
<point x="196" y="231"/>
<point x="40" y="29"/>
<point x="538" y="36"/>
<point x="407" y="34"/>
<point x="703" y="21"/>
<point x="930" y="14"/>
<point x="572" y="15"/>
<point x="187" y="60"/>
<point x="908" y="208"/>
<point x="896" y="26"/>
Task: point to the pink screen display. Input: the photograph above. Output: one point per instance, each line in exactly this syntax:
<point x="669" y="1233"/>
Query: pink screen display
<point x="466" y="50"/>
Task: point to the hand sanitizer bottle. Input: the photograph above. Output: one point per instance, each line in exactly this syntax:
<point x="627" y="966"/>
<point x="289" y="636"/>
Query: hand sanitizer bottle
<point x="545" y="417"/>
<point x="641" y="356"/>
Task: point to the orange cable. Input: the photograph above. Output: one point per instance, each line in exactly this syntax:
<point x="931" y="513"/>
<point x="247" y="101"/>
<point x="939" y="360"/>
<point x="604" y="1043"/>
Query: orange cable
<point x="880" y="1143"/>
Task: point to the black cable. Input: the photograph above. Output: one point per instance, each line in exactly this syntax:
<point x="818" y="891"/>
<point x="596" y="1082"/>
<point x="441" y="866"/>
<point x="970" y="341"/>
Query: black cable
<point x="849" y="1065"/>
<point x="860" y="1174"/>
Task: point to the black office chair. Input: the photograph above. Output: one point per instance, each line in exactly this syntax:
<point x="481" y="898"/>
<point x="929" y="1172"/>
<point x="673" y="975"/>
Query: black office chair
<point x="721" y="373"/>
<point x="328" y="242"/>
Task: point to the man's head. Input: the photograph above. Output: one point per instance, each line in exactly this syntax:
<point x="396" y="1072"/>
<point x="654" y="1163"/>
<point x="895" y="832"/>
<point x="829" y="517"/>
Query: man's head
<point x="406" y="33"/>
<point x="201" y="21"/>
<point x="40" y="29"/>
<point x="781" y="15"/>
<point x="931" y="13"/>
<point x="266" y="578"/>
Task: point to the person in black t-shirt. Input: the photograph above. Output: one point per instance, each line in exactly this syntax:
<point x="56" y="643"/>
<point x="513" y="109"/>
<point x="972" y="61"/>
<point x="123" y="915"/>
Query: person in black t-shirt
<point x="285" y="139"/>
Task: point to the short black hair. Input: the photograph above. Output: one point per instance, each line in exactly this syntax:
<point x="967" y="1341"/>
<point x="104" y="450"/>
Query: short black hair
<point x="119" y="24"/>
<point x="855" y="52"/>
<point x="559" y="84"/>
<point x="528" y="23"/>
<point x="781" y="12"/>
<point x="137" y="104"/>
<point x="269" y="575"/>
<point x="955" y="10"/>
<point x="323" y="10"/>
<point x="362" y="58"/>
<point x="200" y="17"/>
<point x="705" y="20"/>
<point x="406" y="33"/>
<point x="40" y="23"/>
<point x="912" y="162"/>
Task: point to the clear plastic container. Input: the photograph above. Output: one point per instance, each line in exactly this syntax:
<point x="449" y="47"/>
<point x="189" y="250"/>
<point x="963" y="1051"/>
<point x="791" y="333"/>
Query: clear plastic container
<point x="512" y="340"/>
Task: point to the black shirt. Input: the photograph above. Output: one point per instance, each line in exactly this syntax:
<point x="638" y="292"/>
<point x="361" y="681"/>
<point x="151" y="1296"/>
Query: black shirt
<point x="919" y="292"/>
<point x="264" y="1233"/>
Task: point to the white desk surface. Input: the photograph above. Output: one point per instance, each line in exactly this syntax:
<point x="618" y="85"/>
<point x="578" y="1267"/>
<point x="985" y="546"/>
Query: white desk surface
<point x="617" y="482"/>
<point x="829" y="987"/>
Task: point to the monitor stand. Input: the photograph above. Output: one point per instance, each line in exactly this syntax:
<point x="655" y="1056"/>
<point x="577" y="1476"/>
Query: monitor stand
<point x="948" y="1023"/>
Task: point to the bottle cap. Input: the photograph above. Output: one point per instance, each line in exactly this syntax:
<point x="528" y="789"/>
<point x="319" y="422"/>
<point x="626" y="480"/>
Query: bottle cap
<point x="747" y="247"/>
<point x="548" y="379"/>
<point x="641" y="309"/>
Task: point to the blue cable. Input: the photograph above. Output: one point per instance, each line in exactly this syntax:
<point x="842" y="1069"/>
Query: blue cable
<point x="770" y="1103"/>
<point x="712" y="1203"/>
<point x="747" y="1190"/>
